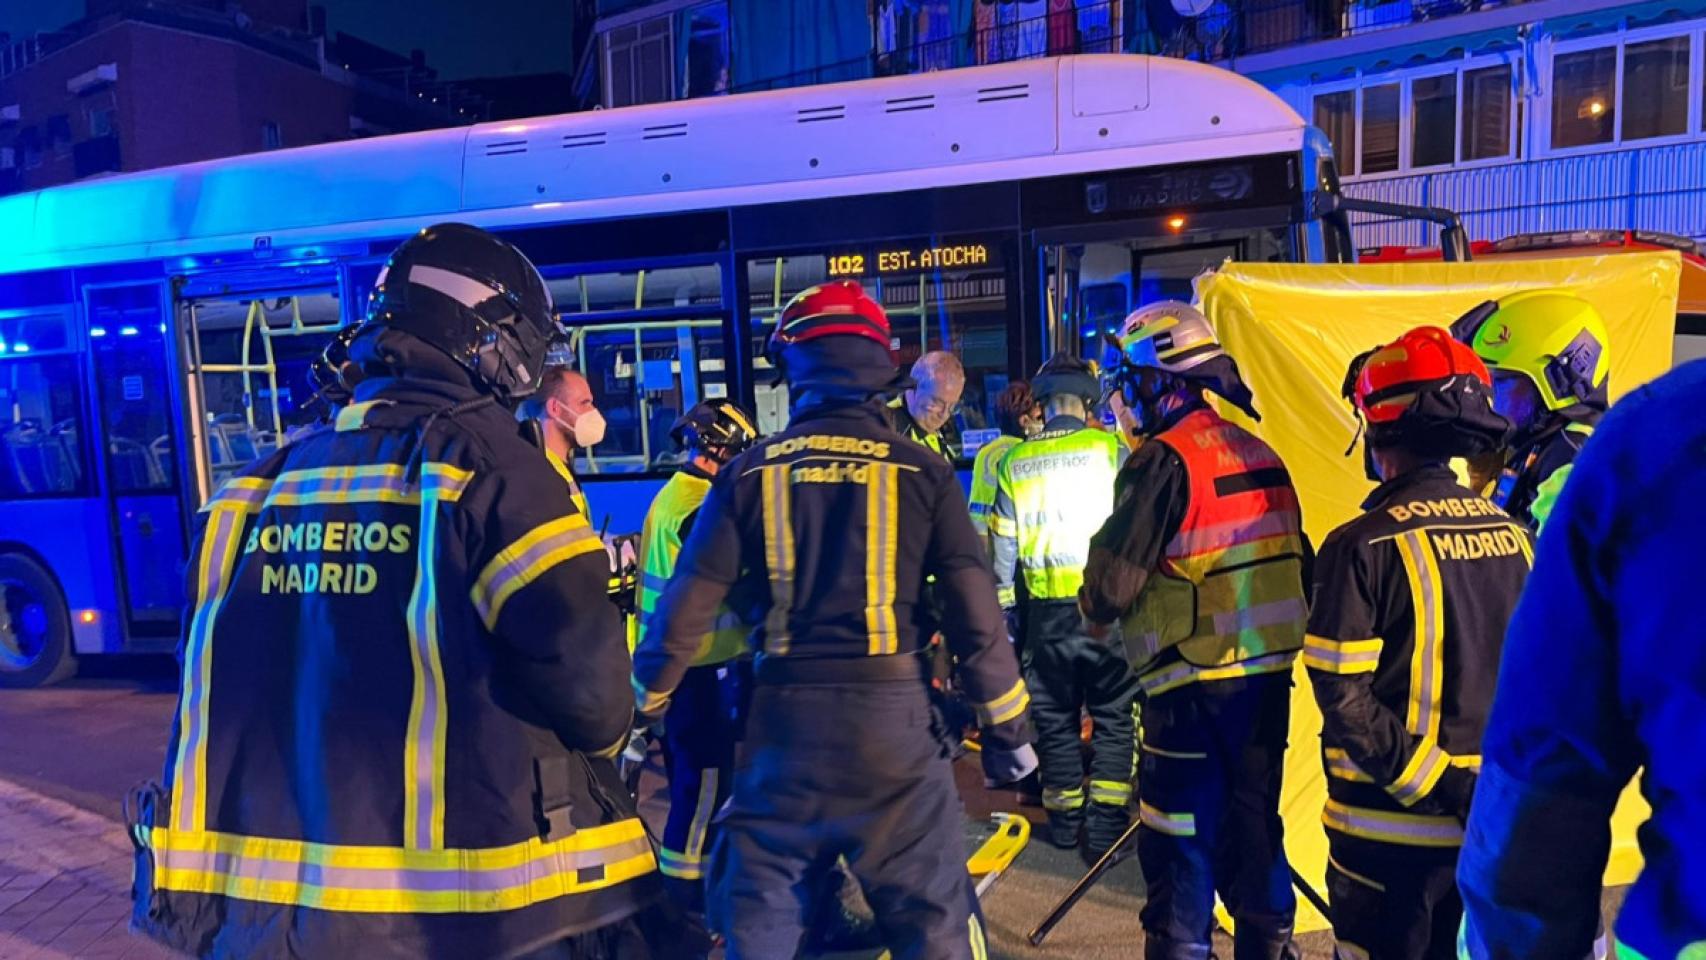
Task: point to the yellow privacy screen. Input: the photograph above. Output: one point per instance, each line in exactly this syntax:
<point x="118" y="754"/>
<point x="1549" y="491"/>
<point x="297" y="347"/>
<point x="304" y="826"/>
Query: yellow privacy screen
<point x="1293" y="328"/>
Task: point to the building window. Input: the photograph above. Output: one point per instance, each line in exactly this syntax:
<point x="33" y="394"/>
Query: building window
<point x="1487" y="113"/>
<point x="1655" y="89"/>
<point x="1336" y="115"/>
<point x="271" y="136"/>
<point x="639" y="67"/>
<point x="59" y="134"/>
<point x="29" y="144"/>
<point x="707" y="71"/>
<point x="1433" y="112"/>
<point x="102" y="120"/>
<point x="1584" y="97"/>
<point x="1380" y="129"/>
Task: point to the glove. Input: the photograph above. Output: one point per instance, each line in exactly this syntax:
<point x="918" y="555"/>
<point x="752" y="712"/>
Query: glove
<point x="633" y="758"/>
<point x="638" y="741"/>
<point x="1004" y="767"/>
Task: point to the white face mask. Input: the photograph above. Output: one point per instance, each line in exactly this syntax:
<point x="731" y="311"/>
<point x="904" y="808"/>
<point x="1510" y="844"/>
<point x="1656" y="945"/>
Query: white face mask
<point x="588" y="428"/>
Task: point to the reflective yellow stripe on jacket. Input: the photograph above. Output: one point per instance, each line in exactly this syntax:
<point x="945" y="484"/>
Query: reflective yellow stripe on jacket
<point x="227" y="512"/>
<point x="528" y="559"/>
<point x="374" y="879"/>
<point x="423" y="750"/>
<point x="778" y="555"/>
<point x="568" y="475"/>
<point x="1409" y="829"/>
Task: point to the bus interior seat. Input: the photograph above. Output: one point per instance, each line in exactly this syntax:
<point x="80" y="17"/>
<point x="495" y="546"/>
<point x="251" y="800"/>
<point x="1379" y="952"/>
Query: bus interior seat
<point x="218" y="450"/>
<point x="238" y="437"/>
<point x="160" y="451"/>
<point x="133" y="465"/>
<point x="40" y="462"/>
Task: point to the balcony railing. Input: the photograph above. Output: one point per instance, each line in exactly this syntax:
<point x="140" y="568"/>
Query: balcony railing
<point x="1205" y="30"/>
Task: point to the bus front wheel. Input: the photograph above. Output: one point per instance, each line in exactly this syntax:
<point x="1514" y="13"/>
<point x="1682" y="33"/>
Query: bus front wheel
<point x="35" y="627"/>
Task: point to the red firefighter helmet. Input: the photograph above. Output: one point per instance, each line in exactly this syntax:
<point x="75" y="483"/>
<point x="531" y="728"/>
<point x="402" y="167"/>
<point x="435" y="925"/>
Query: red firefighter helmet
<point x="837" y="308"/>
<point x="1426" y="358"/>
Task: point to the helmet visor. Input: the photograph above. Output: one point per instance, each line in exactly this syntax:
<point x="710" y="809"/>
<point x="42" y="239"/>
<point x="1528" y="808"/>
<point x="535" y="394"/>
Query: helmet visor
<point x="1515" y="397"/>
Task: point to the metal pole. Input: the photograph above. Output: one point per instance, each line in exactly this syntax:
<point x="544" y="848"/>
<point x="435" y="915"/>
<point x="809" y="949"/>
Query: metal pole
<point x="1079" y="889"/>
<point x="1315" y="899"/>
<point x="1114" y="856"/>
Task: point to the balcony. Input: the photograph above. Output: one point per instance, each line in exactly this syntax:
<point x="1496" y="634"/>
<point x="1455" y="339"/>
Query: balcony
<point x="1204" y="30"/>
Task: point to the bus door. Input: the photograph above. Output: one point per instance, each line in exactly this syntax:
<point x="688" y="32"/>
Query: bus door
<point x="138" y="450"/>
<point x="246" y="358"/>
<point x="1090" y="286"/>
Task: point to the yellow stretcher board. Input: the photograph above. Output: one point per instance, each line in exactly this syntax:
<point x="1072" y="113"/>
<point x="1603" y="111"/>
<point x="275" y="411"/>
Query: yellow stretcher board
<point x="1294" y="328"/>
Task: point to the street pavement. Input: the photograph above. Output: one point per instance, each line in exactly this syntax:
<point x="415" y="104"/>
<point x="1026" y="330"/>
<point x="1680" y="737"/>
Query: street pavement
<point x="73" y="751"/>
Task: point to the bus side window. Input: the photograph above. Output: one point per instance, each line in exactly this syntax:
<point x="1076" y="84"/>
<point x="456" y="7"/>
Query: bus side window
<point x="939" y="293"/>
<point x="650" y="343"/>
<point x="41" y="448"/>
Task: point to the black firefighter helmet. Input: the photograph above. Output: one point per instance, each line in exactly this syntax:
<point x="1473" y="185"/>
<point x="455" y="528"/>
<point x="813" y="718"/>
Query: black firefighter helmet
<point x="720" y="429"/>
<point x="474" y="297"/>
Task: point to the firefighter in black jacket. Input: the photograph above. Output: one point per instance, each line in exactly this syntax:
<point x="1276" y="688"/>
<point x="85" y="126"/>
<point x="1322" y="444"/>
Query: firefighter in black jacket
<point x="835" y="522"/>
<point x="1411" y="600"/>
<point x="1202" y="564"/>
<point x="402" y="682"/>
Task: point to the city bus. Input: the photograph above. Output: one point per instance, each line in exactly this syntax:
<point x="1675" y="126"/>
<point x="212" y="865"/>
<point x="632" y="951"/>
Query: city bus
<point x="155" y="328"/>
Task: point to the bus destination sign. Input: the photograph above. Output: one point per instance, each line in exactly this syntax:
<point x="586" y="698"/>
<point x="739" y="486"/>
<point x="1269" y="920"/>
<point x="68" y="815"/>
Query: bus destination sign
<point x="909" y="259"/>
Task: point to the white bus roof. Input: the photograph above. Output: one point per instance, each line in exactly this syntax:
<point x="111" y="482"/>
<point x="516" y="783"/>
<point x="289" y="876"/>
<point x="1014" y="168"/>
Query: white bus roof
<point x="987" y="124"/>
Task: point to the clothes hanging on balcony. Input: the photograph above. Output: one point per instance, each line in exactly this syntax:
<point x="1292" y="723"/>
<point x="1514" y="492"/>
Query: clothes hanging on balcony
<point x="1062" y="27"/>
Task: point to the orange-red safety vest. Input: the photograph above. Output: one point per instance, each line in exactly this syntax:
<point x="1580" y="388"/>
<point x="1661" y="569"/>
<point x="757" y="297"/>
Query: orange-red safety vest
<point x="1229" y="594"/>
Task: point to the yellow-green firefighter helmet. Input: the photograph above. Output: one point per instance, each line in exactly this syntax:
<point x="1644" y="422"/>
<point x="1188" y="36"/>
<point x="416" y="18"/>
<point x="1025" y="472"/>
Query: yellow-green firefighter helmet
<point x="1555" y="339"/>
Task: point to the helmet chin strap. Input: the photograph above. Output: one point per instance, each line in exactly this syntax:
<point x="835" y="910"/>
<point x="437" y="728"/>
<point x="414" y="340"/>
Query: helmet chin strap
<point x="1151" y="404"/>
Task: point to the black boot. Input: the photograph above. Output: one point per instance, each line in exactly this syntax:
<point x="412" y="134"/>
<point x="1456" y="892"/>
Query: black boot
<point x="1265" y="945"/>
<point x="1104" y="824"/>
<point x="1064" y="826"/>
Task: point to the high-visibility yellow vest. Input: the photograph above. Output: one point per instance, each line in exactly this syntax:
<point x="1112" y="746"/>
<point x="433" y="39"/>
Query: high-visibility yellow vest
<point x="660" y="545"/>
<point x="1062" y="486"/>
<point x="983" y="479"/>
<point x="568" y="476"/>
<point x="1230" y="586"/>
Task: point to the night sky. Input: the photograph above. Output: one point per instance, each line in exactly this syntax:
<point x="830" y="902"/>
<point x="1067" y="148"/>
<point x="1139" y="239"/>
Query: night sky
<point x="461" y="38"/>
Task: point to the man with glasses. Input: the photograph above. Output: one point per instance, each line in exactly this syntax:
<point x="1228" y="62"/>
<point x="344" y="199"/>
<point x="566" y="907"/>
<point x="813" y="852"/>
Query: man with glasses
<point x="922" y="412"/>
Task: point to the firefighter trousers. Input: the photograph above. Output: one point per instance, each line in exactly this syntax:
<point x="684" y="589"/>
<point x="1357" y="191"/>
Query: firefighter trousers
<point x="1209" y="793"/>
<point x="1068" y="672"/>
<point x="1392" y="901"/>
<point x="840" y="764"/>
<point x="699" y="734"/>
